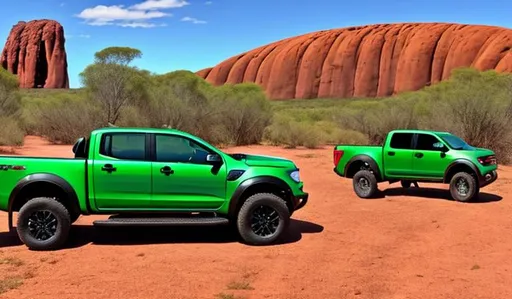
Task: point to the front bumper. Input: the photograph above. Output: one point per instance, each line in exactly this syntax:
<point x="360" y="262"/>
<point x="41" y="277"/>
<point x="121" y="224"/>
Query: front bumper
<point x="488" y="178"/>
<point x="300" y="201"/>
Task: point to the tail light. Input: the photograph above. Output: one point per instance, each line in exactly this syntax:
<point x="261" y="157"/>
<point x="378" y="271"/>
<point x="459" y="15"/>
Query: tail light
<point x="337" y="156"/>
<point x="487" y="160"/>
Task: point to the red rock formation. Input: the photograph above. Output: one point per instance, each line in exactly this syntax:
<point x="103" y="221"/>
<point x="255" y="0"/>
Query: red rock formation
<point x="366" y="61"/>
<point x="35" y="52"/>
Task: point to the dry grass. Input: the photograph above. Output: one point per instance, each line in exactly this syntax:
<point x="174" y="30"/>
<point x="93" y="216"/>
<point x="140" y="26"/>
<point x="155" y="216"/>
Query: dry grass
<point x="12" y="261"/>
<point x="10" y="283"/>
<point x="240" y="285"/>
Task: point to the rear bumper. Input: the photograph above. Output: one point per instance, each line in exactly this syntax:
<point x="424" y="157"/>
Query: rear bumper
<point x="300" y="201"/>
<point x="488" y="178"/>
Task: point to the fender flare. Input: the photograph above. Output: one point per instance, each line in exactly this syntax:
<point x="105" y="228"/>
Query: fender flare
<point x="239" y="191"/>
<point x="367" y="159"/>
<point x="41" y="178"/>
<point x="458" y="162"/>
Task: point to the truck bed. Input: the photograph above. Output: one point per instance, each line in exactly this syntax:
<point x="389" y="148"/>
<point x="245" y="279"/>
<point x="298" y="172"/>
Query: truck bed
<point x="14" y="168"/>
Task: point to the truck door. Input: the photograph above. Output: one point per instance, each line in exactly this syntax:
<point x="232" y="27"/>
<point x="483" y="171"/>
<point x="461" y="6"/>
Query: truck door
<point x="182" y="178"/>
<point x="398" y="153"/>
<point x="121" y="172"/>
<point x="430" y="157"/>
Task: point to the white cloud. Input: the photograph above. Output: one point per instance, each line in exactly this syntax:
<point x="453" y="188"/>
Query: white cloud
<point x="141" y="25"/>
<point x="159" y="4"/>
<point x="193" y="20"/>
<point x="138" y="15"/>
<point x="79" y="36"/>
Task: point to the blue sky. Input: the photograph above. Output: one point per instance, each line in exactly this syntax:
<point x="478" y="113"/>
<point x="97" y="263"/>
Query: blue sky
<point x="194" y="34"/>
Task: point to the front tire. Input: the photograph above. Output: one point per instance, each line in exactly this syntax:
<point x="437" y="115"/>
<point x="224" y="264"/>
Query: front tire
<point x="463" y="187"/>
<point x="43" y="224"/>
<point x="365" y="184"/>
<point x="262" y="219"/>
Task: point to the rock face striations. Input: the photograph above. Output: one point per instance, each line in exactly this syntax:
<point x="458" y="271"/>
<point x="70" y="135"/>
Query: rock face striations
<point x="366" y="61"/>
<point x="35" y="52"/>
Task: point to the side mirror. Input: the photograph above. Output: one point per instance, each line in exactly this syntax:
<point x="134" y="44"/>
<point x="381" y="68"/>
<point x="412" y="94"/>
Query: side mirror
<point x="213" y="158"/>
<point x="440" y="146"/>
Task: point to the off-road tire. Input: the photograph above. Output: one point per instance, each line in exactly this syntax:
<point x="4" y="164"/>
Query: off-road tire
<point x="469" y="181"/>
<point x="406" y="184"/>
<point x="59" y="214"/>
<point x="255" y="206"/>
<point x="367" y="178"/>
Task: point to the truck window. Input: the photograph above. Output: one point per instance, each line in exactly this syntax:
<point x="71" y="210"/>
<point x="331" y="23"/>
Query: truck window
<point x="126" y="146"/>
<point x="401" y="140"/>
<point x="426" y="142"/>
<point x="171" y="148"/>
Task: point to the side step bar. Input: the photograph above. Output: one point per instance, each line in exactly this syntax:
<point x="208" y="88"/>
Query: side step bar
<point x="162" y="221"/>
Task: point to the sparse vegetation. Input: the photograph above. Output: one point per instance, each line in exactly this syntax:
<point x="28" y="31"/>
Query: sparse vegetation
<point x="12" y="261"/>
<point x="240" y="285"/>
<point x="10" y="283"/>
<point x="228" y="296"/>
<point x="475" y="105"/>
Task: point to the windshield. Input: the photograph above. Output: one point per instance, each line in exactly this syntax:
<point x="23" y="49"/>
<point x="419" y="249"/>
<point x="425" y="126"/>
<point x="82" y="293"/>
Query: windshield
<point x="456" y="142"/>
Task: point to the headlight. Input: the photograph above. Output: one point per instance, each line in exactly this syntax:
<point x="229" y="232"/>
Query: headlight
<point x="295" y="176"/>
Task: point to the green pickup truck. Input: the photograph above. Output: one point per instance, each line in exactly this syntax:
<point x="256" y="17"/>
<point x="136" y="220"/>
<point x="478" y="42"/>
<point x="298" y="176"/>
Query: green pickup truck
<point x="412" y="156"/>
<point x="149" y="177"/>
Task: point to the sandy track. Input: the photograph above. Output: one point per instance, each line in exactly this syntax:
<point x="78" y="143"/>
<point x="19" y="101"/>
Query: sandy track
<point x="415" y="244"/>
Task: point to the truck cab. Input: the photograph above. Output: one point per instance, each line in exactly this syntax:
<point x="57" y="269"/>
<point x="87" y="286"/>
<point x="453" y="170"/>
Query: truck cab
<point x="147" y="176"/>
<point x="412" y="156"/>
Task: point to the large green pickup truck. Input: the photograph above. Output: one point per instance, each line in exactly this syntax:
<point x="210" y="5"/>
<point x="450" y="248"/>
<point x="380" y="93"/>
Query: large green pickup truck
<point x="412" y="156"/>
<point x="146" y="176"/>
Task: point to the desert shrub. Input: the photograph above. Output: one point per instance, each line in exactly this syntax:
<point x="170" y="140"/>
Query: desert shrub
<point x="243" y="111"/>
<point x="291" y="133"/>
<point x="65" y="121"/>
<point x="181" y="100"/>
<point x="10" y="109"/>
<point x="11" y="134"/>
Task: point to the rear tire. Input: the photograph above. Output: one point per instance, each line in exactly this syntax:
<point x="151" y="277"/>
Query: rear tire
<point x="365" y="184"/>
<point x="43" y="224"/>
<point x="463" y="187"/>
<point x="262" y="219"/>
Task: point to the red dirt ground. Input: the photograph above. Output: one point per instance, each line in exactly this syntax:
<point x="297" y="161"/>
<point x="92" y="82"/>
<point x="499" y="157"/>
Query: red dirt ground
<point x="415" y="244"/>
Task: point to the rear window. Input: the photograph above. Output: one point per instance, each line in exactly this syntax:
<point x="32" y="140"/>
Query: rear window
<point x="402" y="140"/>
<point x="126" y="146"/>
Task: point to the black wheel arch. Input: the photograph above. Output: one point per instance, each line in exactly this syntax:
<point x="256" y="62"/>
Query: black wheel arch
<point x="263" y="184"/>
<point x="461" y="165"/>
<point x="355" y="162"/>
<point x="42" y="184"/>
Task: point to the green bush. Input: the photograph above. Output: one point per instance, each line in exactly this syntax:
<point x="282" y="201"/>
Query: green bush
<point x="11" y="134"/>
<point x="243" y="112"/>
<point x="65" y="121"/>
<point x="10" y="109"/>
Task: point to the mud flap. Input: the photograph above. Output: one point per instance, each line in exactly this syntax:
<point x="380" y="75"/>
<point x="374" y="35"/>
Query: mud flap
<point x="9" y="219"/>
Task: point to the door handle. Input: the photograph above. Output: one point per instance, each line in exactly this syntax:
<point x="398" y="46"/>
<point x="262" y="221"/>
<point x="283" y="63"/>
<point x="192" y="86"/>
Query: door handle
<point x="418" y="155"/>
<point x="108" y="168"/>
<point x="166" y="170"/>
<point x="391" y="153"/>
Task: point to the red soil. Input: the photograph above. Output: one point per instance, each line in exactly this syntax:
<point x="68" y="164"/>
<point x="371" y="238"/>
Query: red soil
<point x="415" y="244"/>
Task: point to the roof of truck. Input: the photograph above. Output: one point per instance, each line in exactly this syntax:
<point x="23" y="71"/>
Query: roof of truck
<point x="419" y="131"/>
<point x="141" y="130"/>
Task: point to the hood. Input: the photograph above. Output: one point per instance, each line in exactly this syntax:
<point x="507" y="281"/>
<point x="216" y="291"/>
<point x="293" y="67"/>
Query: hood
<point x="261" y="160"/>
<point x="484" y="151"/>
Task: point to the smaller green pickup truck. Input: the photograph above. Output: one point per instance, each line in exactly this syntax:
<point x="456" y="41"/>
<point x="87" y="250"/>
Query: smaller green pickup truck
<point x="412" y="156"/>
<point x="149" y="177"/>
